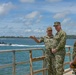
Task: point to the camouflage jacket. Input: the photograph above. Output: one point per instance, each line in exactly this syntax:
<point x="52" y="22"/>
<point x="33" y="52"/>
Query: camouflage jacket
<point x="48" y="41"/>
<point x="74" y="50"/>
<point x="60" y="37"/>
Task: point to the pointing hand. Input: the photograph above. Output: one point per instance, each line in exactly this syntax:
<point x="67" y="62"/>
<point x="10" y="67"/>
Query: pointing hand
<point x="32" y="37"/>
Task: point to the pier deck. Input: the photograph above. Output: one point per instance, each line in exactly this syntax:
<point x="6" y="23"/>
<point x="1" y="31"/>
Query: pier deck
<point x="69" y="73"/>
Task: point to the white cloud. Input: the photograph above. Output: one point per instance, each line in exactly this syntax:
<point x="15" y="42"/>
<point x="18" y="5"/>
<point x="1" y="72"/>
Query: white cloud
<point x="27" y="1"/>
<point x="28" y="19"/>
<point x="28" y="30"/>
<point x="32" y="18"/>
<point x="69" y="26"/>
<point x="66" y="20"/>
<point x="38" y="30"/>
<point x="61" y="15"/>
<point x="54" y="0"/>
<point x="39" y="18"/>
<point x="60" y="7"/>
<point x="32" y="15"/>
<point x="6" y="7"/>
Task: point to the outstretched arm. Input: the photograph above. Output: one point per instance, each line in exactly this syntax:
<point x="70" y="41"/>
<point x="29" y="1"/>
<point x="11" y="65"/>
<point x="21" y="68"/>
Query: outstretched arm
<point x="34" y="38"/>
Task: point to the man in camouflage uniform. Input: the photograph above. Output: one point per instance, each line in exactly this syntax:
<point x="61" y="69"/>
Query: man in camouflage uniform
<point x="74" y="50"/>
<point x="49" y="56"/>
<point x="73" y="63"/>
<point x="59" y="50"/>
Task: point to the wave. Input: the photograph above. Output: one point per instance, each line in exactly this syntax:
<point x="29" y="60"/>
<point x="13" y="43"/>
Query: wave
<point x="4" y="44"/>
<point x="21" y="45"/>
<point x="27" y="45"/>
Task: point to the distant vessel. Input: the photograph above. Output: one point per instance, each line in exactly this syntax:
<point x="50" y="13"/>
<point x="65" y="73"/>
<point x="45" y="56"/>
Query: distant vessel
<point x="3" y="43"/>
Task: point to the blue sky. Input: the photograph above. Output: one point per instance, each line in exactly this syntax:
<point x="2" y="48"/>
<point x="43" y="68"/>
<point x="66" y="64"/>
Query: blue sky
<point x="32" y="17"/>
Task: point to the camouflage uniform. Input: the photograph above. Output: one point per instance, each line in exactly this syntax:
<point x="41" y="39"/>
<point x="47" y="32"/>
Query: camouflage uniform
<point x="60" y="37"/>
<point x="73" y="64"/>
<point x="48" y="41"/>
<point x="74" y="50"/>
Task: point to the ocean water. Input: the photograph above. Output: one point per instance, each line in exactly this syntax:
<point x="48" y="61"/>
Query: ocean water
<point x="22" y="43"/>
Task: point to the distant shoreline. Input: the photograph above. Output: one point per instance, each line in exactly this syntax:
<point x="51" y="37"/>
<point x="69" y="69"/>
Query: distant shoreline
<point x="68" y="37"/>
<point x="71" y="36"/>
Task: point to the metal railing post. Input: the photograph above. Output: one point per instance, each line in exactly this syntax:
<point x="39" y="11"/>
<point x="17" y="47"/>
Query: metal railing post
<point x="70" y="54"/>
<point x="44" y="63"/>
<point x="14" y="64"/>
<point x="31" y="69"/>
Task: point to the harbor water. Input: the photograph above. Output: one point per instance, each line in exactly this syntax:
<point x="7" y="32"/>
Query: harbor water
<point x="22" y="43"/>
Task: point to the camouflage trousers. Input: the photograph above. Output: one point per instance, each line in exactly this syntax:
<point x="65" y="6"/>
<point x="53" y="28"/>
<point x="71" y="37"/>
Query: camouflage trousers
<point x="55" y="63"/>
<point x="50" y="58"/>
<point x="59" y="60"/>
